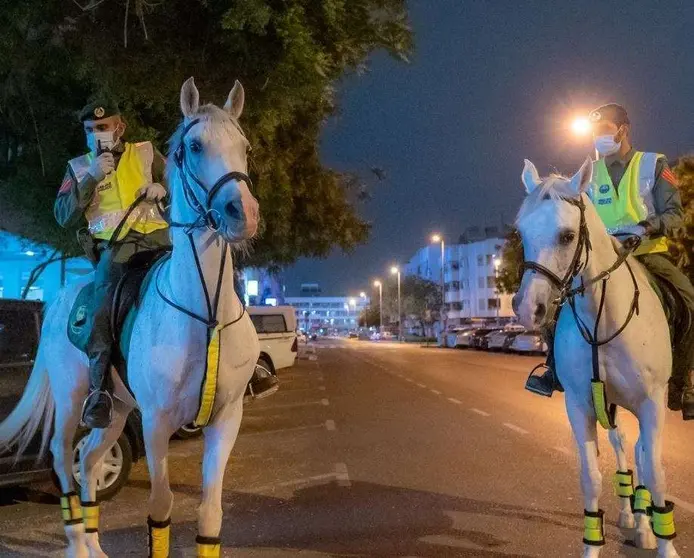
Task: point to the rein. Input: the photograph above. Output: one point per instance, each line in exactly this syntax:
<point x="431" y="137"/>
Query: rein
<point x="566" y="294"/>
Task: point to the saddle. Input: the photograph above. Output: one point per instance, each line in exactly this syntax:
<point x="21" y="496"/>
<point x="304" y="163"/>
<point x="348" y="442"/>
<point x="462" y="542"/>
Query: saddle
<point x="126" y="300"/>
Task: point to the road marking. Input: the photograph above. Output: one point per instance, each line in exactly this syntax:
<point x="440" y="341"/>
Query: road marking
<point x="283" y="406"/>
<point x="295" y="482"/>
<point x="515" y="428"/>
<point x="321" y="388"/>
<point x="435" y="392"/>
<point x="342" y="475"/>
<point x="312" y="357"/>
<point x="681" y="503"/>
<point x="454" y="400"/>
<point x="479" y="412"/>
<point x="562" y="449"/>
<point x="409" y="380"/>
<point x="275" y="431"/>
<point x="324" y="402"/>
<point x="330" y="425"/>
<point x="421" y="386"/>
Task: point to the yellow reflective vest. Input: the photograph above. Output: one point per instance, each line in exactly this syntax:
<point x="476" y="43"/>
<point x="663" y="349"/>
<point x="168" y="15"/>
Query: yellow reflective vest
<point x="632" y="201"/>
<point x="116" y="193"/>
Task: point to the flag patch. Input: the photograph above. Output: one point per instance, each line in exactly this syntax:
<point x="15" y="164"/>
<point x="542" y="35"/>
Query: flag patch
<point x="65" y="186"/>
<point x="668" y="175"/>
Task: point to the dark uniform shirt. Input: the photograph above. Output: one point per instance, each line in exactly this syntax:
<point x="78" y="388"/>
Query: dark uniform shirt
<point x="669" y="214"/>
<point x="74" y="197"/>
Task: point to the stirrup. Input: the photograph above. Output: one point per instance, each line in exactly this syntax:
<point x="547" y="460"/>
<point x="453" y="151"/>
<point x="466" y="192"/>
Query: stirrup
<point x="86" y="400"/>
<point x="532" y="374"/>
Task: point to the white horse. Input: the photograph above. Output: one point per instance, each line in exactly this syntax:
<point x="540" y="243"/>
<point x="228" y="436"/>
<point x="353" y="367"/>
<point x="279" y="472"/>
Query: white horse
<point x="212" y="208"/>
<point x="570" y="258"/>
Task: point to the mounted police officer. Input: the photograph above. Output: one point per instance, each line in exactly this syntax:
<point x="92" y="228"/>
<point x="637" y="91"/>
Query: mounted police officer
<point x="635" y="193"/>
<point x="101" y="186"/>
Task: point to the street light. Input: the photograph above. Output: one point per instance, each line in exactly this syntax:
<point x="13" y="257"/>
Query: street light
<point x="380" y="305"/>
<point x="396" y="271"/>
<point x="580" y="126"/>
<point x="497" y="264"/>
<point x="362" y="294"/>
<point x="444" y="315"/>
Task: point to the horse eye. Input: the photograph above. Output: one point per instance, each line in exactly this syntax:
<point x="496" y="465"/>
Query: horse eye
<point x="566" y="237"/>
<point x="196" y="146"/>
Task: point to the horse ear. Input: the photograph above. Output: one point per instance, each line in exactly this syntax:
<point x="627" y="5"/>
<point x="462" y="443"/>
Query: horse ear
<point x="190" y="98"/>
<point x="580" y="182"/>
<point x="235" y="100"/>
<point x="530" y="177"/>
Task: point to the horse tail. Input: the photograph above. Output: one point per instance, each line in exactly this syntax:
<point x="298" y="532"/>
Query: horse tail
<point x="36" y="407"/>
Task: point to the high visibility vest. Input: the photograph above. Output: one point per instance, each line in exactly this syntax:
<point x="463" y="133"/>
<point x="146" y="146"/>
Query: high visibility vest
<point x="116" y="193"/>
<point x="632" y="201"/>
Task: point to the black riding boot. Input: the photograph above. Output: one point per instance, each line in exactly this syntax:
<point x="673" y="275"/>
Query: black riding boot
<point x="99" y="405"/>
<point x="688" y="396"/>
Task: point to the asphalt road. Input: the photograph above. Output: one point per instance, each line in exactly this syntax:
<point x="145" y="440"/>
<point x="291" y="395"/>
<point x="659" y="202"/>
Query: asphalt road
<point x="382" y="450"/>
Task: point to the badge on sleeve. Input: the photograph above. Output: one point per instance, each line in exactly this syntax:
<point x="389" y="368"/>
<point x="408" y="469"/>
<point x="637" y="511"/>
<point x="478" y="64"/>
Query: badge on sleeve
<point x="669" y="176"/>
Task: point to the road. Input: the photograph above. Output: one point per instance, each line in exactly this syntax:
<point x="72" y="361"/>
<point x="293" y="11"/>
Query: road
<point x="383" y="450"/>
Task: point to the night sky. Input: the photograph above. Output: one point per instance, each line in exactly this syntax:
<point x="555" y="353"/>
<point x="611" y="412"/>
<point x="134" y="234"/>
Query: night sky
<point x="492" y="83"/>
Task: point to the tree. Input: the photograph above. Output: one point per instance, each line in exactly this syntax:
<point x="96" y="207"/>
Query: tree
<point x="510" y="270"/>
<point x="682" y="245"/>
<point x="55" y="55"/>
<point x="420" y="301"/>
<point x="370" y="317"/>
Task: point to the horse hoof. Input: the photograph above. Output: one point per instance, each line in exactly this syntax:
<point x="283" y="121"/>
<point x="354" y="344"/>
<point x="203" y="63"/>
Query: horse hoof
<point x="626" y="520"/>
<point x="645" y="539"/>
<point x="591" y="551"/>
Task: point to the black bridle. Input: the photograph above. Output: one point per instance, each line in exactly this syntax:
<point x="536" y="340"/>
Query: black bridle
<point x="575" y="269"/>
<point x="205" y="219"/>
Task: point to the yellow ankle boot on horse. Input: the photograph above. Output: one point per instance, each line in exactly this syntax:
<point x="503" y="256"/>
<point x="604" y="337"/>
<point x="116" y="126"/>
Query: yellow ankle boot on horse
<point x="71" y="509"/>
<point x="593" y="528"/>
<point x="208" y="547"/>
<point x="624" y="484"/>
<point x="159" y="534"/>
<point x="643" y="501"/>
<point x="663" y="521"/>
<point x="90" y="513"/>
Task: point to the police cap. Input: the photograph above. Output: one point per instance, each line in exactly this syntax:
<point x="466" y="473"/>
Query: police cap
<point x="612" y="112"/>
<point x="98" y="109"/>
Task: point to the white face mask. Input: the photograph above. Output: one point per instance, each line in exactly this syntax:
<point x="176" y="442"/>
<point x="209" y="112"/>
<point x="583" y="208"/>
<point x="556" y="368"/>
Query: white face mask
<point x="101" y="140"/>
<point x="605" y="145"/>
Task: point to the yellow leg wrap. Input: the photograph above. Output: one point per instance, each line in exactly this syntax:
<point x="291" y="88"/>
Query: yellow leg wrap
<point x="642" y="500"/>
<point x="70" y="508"/>
<point x="624" y="483"/>
<point x="209" y="382"/>
<point x="90" y="512"/>
<point x="593" y="529"/>
<point x="605" y="413"/>
<point x="663" y="521"/>
<point x="209" y="547"/>
<point x="159" y="532"/>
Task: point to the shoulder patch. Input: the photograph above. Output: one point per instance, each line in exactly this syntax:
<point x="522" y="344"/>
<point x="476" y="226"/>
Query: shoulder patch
<point x="670" y="177"/>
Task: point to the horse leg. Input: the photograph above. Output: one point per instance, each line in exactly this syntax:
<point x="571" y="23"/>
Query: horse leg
<point x="584" y="429"/>
<point x="643" y="536"/>
<point x="157" y="433"/>
<point x="220" y="437"/>
<point x="651" y="423"/>
<point x="98" y="443"/>
<point x="66" y="420"/>
<point x="624" y="479"/>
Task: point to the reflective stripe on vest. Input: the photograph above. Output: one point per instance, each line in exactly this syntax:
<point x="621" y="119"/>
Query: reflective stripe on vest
<point x="632" y="201"/>
<point x="116" y="193"/>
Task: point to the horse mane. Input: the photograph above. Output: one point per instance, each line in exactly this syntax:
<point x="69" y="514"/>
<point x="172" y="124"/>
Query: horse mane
<point x="554" y="187"/>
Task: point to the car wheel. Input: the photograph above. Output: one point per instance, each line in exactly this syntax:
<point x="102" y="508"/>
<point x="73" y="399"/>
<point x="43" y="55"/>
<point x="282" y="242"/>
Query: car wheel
<point x="115" y="468"/>
<point x="188" y="432"/>
<point x="266" y="365"/>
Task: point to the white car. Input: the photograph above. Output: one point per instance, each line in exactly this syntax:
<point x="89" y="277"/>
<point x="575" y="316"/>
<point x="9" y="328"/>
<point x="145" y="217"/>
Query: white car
<point x="276" y="327"/>
<point x="497" y="340"/>
<point x="464" y="338"/>
<point x="529" y="342"/>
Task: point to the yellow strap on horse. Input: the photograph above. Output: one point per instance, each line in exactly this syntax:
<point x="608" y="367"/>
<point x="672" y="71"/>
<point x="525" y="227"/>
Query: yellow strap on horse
<point x="208" y="547"/>
<point x="209" y="382"/>
<point x="605" y="413"/>
<point x="593" y="529"/>
<point x="663" y="521"/>
<point x="90" y="512"/>
<point x="624" y="483"/>
<point x="159" y="534"/>
<point x="642" y="500"/>
<point x="70" y="508"/>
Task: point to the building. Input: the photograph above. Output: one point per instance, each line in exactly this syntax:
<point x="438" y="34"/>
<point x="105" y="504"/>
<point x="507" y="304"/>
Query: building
<point x="19" y="257"/>
<point x="259" y="287"/>
<point x="470" y="277"/>
<point x="328" y="313"/>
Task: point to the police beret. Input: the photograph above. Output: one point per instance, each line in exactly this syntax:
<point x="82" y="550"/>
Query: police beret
<point x="96" y="110"/>
<point x="612" y="112"/>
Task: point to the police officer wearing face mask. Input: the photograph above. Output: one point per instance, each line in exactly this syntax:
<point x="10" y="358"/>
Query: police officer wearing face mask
<point x="100" y="187"/>
<point x="635" y="193"/>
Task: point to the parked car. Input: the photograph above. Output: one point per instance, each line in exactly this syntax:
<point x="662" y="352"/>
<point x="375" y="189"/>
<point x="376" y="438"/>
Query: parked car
<point x="479" y="338"/>
<point x="502" y="339"/>
<point x="353" y="335"/>
<point x="529" y="342"/>
<point x="20" y="328"/>
<point x="463" y="339"/>
<point x="276" y="327"/>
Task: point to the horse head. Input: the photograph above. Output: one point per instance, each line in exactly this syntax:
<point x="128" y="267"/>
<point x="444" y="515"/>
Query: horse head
<point x="552" y="224"/>
<point x="208" y="165"/>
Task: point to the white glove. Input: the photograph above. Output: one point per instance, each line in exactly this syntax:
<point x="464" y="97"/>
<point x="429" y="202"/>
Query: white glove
<point x="632" y="230"/>
<point x="153" y="192"/>
<point x="102" y="166"/>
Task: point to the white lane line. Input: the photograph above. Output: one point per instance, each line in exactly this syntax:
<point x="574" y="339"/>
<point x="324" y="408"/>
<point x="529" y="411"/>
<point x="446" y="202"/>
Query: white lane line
<point x="277" y="431"/>
<point x="252" y="408"/>
<point x="480" y="412"/>
<point x="435" y="392"/>
<point x="321" y="388"/>
<point x="454" y="400"/>
<point x="342" y="475"/>
<point x="681" y="503"/>
<point x="324" y="402"/>
<point x="409" y="380"/>
<point x="422" y="386"/>
<point x="295" y="482"/>
<point x="515" y="428"/>
<point x="562" y="449"/>
<point x="330" y="425"/>
<point x="312" y="357"/>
